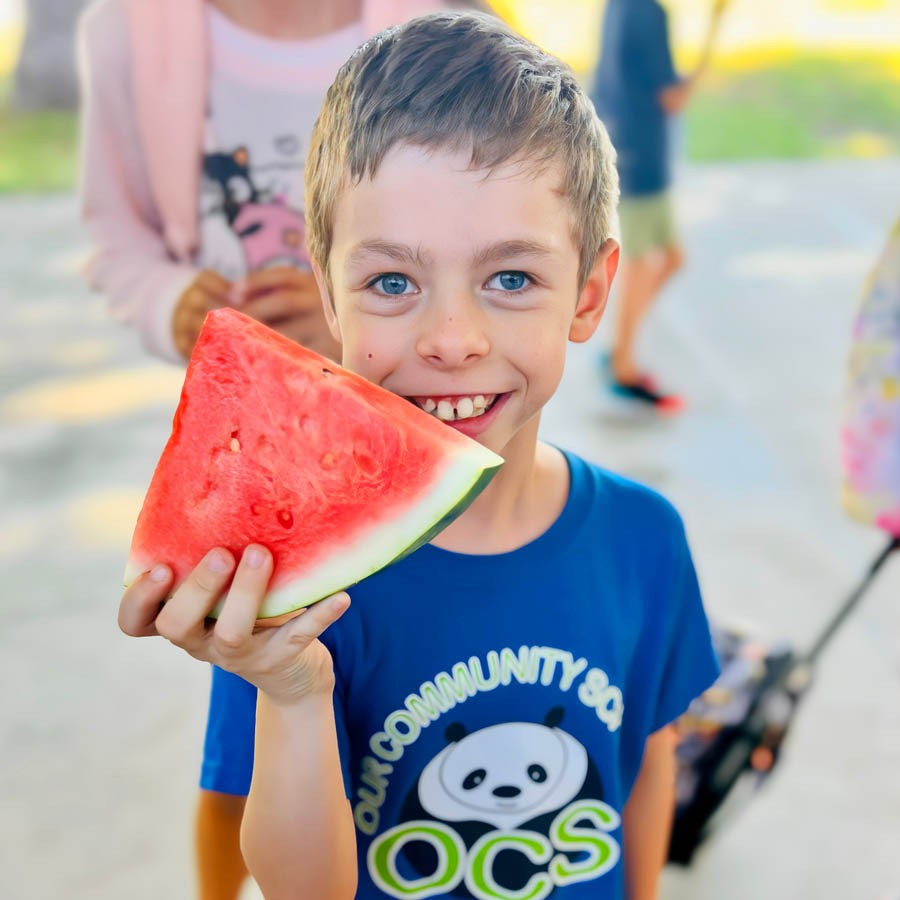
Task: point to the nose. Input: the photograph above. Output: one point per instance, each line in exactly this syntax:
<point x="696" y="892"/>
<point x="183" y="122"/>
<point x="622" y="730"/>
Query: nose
<point x="454" y="333"/>
<point x="506" y="790"/>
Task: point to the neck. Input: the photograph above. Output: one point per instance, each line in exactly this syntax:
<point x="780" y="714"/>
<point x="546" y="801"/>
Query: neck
<point x="522" y="501"/>
<point x="288" y="19"/>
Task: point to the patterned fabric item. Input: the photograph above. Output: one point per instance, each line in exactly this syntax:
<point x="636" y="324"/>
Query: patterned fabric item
<point x="731" y="735"/>
<point x="871" y="431"/>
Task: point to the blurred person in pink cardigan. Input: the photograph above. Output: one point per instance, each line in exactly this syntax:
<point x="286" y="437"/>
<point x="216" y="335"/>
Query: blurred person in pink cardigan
<point x="195" y="123"/>
<point x="196" y="118"/>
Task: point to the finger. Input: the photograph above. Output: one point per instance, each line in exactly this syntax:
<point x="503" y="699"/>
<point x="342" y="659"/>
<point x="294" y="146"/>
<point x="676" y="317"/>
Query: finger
<point x="192" y="320"/>
<point x="186" y="330"/>
<point x="303" y="630"/>
<point x="142" y="601"/>
<point x="285" y="304"/>
<point x="248" y="588"/>
<point x="182" y="620"/>
<point x="262" y="281"/>
<point x="195" y="305"/>
<point x="213" y="284"/>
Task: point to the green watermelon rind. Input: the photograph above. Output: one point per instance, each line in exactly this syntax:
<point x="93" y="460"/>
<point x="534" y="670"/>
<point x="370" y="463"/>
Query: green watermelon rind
<point x="456" y="511"/>
<point x="465" y="477"/>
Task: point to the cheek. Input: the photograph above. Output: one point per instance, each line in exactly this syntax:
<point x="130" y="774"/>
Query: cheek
<point x="366" y="351"/>
<point x="547" y="332"/>
<point x="546" y="359"/>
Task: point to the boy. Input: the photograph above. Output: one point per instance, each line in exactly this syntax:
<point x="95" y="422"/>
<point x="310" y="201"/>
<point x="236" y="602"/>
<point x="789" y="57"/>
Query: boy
<point x="490" y="718"/>
<point x="637" y="92"/>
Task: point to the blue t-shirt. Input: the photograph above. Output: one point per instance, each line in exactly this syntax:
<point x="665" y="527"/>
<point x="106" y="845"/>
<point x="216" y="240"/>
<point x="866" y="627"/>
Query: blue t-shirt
<point x="635" y="64"/>
<point x="492" y="710"/>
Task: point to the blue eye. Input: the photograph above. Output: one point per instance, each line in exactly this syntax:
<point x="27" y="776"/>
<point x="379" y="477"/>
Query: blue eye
<point x="393" y="283"/>
<point x="509" y="281"/>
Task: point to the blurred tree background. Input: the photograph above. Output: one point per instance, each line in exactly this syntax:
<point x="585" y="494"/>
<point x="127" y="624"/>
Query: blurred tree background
<point x="802" y="79"/>
<point x="806" y="79"/>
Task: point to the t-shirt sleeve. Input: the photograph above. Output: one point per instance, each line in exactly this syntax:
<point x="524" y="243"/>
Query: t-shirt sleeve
<point x="230" y="734"/>
<point x="229" y="743"/>
<point x="689" y="663"/>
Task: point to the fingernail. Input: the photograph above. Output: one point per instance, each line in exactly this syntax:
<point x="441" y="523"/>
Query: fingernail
<point x="159" y="573"/>
<point x="236" y="294"/>
<point x="217" y="562"/>
<point x="255" y="557"/>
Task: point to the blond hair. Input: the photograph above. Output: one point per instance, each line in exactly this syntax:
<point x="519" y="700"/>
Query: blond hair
<point x="461" y="82"/>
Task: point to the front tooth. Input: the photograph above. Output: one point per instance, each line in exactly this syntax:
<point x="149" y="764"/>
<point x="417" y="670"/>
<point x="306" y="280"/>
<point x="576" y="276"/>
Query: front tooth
<point x="429" y="405"/>
<point x="445" y="411"/>
<point x="465" y="408"/>
<point x="479" y="401"/>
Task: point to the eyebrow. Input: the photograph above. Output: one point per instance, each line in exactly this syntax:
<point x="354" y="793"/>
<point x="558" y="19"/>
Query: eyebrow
<point x="402" y="253"/>
<point x="508" y="249"/>
<point x="398" y="252"/>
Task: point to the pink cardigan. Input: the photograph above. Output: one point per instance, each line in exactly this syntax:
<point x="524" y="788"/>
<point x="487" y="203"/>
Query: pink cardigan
<point x="143" y="72"/>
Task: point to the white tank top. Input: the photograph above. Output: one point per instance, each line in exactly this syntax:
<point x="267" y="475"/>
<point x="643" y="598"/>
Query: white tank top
<point x="264" y="97"/>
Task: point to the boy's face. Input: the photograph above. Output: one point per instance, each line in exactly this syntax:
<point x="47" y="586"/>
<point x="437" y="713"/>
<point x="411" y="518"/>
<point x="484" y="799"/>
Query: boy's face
<point x="459" y="290"/>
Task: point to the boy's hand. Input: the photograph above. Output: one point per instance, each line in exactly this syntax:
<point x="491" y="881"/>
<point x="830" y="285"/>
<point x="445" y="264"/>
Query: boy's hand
<point x="207" y="291"/>
<point x="287" y="662"/>
<point x="287" y="299"/>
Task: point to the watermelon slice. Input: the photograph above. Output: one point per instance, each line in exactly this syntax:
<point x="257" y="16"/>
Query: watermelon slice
<point x="274" y="444"/>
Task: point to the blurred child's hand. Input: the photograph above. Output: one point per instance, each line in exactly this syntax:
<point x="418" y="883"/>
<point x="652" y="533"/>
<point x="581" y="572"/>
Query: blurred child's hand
<point x="207" y="291"/>
<point x="287" y="299"/>
<point x="286" y="662"/>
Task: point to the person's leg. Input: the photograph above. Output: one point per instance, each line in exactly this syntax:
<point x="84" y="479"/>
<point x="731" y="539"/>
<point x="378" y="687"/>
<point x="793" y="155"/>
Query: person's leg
<point x="651" y="256"/>
<point x="671" y="261"/>
<point x="221" y="872"/>
<point x="639" y="281"/>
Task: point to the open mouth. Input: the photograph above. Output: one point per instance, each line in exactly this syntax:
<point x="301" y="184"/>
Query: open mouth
<point x="456" y="408"/>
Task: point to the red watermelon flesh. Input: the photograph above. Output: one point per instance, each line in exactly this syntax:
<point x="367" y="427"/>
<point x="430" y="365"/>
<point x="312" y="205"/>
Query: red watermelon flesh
<point x="274" y="444"/>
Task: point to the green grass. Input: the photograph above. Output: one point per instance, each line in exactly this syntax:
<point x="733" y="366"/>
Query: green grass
<point x="38" y="150"/>
<point x="792" y="107"/>
<point x="804" y="107"/>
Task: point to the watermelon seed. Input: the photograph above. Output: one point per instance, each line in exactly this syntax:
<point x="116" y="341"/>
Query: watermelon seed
<point x="285" y="517"/>
<point x="327" y="372"/>
<point x="235" y="445"/>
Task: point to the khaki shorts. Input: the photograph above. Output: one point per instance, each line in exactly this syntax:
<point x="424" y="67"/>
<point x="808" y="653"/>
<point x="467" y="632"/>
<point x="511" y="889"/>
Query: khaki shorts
<point x="647" y="224"/>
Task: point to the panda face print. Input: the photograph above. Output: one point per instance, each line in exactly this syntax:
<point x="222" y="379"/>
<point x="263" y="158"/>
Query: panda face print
<point x="504" y="775"/>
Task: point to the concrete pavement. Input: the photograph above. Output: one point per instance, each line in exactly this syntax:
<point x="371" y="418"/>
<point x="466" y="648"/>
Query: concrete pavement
<point x="100" y="735"/>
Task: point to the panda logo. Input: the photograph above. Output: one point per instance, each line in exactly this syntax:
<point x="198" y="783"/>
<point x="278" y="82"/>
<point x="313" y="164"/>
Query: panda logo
<point x="503" y="777"/>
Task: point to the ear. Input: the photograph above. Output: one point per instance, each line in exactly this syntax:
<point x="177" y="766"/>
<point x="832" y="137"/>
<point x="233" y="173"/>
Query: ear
<point x="327" y="301"/>
<point x="595" y="293"/>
